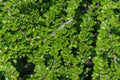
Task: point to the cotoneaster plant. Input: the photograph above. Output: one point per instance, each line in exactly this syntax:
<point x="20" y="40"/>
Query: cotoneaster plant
<point x="59" y="39"/>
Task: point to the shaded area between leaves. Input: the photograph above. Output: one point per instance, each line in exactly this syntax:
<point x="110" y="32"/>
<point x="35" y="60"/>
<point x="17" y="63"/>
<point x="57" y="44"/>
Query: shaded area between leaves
<point x="24" y="68"/>
<point x="81" y="10"/>
<point x="41" y="7"/>
<point x="2" y="77"/>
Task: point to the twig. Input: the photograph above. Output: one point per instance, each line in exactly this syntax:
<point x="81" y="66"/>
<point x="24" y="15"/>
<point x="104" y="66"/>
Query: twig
<point x="62" y="26"/>
<point x="115" y="60"/>
<point x="59" y="28"/>
<point x="23" y="34"/>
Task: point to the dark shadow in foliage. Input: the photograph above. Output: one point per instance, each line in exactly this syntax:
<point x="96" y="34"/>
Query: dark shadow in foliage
<point x="49" y="60"/>
<point x="87" y="65"/>
<point x="74" y="51"/>
<point x="95" y="31"/>
<point x="41" y="7"/>
<point x="115" y="0"/>
<point x="2" y="77"/>
<point x="109" y="61"/>
<point x="114" y="31"/>
<point x="46" y="1"/>
<point x="117" y="12"/>
<point x="27" y="8"/>
<point x="61" y="59"/>
<point x="63" y="62"/>
<point x="96" y="27"/>
<point x="24" y="68"/>
<point x="81" y="10"/>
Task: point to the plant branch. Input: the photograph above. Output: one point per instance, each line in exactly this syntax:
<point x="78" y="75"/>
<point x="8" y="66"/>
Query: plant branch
<point x="62" y="26"/>
<point x="59" y="28"/>
<point x="23" y="34"/>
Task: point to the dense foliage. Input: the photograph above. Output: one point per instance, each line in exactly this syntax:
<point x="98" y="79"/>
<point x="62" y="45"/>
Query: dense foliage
<point x="59" y="39"/>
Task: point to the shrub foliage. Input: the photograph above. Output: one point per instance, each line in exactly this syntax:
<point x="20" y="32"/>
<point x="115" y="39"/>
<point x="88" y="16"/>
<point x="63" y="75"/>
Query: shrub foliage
<point x="59" y="39"/>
